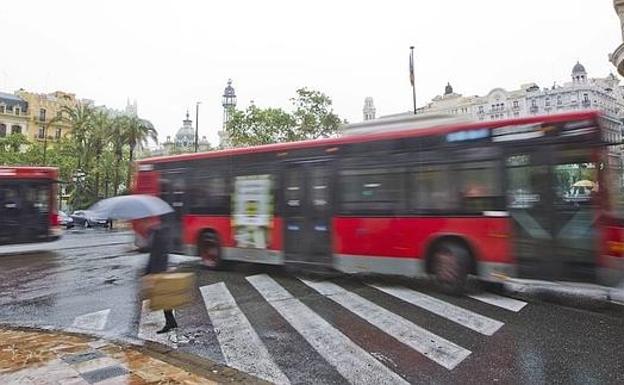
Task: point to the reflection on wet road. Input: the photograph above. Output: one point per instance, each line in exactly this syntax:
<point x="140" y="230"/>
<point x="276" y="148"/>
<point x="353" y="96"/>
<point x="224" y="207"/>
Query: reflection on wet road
<point x="303" y="330"/>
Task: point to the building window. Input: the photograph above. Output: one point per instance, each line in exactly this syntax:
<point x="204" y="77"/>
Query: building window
<point x="15" y="129"/>
<point x="547" y="102"/>
<point x="41" y="133"/>
<point x="57" y="134"/>
<point x="42" y="114"/>
<point x="533" y="103"/>
<point x="2" y="109"/>
<point x="17" y="111"/>
<point x="515" y="104"/>
<point x="480" y="109"/>
<point x="585" y="98"/>
<point x="559" y="101"/>
<point x="2" y="130"/>
<point x="516" y="114"/>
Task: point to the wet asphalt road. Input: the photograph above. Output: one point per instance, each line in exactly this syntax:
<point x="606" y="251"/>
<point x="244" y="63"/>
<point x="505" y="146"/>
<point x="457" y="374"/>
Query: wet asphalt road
<point x="89" y="283"/>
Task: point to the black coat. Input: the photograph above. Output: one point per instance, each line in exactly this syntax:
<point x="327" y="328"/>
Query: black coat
<point x="159" y="251"/>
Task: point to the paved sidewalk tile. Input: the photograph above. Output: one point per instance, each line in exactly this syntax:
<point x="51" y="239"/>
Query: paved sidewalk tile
<point x="31" y="357"/>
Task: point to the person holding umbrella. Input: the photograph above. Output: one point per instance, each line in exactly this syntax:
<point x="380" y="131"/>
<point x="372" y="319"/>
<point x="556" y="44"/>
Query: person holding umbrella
<point x="144" y="207"/>
<point x="158" y="262"/>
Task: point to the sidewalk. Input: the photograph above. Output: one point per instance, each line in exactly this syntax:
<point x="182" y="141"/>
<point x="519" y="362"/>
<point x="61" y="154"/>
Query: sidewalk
<point x="36" y="357"/>
<point x="119" y="238"/>
<point x="569" y="293"/>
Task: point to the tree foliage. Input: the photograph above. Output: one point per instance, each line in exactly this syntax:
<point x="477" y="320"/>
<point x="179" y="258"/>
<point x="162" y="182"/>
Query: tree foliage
<point x="94" y="159"/>
<point x="312" y="117"/>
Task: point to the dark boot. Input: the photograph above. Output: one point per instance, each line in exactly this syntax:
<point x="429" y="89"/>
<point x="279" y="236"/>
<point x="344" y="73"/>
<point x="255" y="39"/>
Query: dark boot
<point x="170" y="322"/>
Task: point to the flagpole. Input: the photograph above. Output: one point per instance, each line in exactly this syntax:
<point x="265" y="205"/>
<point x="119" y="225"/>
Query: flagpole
<point x="412" y="80"/>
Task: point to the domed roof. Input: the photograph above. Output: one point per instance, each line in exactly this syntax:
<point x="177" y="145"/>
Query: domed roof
<point x="578" y="69"/>
<point x="448" y="89"/>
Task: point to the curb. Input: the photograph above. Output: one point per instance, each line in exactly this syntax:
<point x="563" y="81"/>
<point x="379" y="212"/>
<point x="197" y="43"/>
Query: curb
<point x="202" y="367"/>
<point x="38" y="251"/>
<point x="590" y="298"/>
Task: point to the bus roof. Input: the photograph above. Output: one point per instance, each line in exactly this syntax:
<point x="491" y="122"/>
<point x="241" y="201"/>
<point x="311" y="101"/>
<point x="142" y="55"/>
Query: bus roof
<point x="434" y="129"/>
<point x="28" y="172"/>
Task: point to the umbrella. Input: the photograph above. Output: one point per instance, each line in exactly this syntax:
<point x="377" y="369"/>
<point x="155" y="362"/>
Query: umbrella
<point x="128" y="207"/>
<point x="584" y="183"/>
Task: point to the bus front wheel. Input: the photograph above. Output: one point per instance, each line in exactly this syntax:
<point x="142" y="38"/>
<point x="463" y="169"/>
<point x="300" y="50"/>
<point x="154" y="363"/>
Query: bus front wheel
<point x="210" y="250"/>
<point x="450" y="267"/>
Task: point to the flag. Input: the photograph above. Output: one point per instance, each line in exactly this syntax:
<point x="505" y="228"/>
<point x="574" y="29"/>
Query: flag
<point x="411" y="65"/>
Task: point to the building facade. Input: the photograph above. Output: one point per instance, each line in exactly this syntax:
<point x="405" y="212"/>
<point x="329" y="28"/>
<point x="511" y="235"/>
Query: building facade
<point x="45" y="111"/>
<point x="14" y="115"/>
<point x="605" y="94"/>
<point x="617" y="57"/>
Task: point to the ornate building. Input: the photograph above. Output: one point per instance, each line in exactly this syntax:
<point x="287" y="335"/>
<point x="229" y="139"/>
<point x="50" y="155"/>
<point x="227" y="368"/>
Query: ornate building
<point x="184" y="140"/>
<point x="369" y="109"/>
<point x="13" y="115"/>
<point x="580" y="93"/>
<point x="229" y="103"/>
<point x="617" y="57"/>
<point x="44" y="113"/>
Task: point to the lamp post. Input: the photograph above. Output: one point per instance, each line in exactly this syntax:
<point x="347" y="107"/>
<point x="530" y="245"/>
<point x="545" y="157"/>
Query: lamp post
<point x="197" y="126"/>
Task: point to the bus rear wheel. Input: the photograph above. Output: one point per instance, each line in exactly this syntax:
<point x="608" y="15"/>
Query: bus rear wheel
<point x="450" y="267"/>
<point x="210" y="250"/>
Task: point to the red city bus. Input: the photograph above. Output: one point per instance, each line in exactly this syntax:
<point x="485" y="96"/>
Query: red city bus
<point x="28" y="204"/>
<point x="538" y="197"/>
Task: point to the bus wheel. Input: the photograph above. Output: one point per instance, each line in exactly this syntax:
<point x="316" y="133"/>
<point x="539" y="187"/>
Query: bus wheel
<point x="210" y="250"/>
<point x="450" y="266"/>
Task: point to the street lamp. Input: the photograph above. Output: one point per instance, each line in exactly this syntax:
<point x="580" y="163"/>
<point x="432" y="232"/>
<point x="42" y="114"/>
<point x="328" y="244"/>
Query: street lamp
<point x="197" y="126"/>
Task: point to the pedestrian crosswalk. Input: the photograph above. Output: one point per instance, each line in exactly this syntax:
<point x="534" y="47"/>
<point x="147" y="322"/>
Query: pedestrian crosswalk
<point x="299" y="303"/>
<point x="240" y="344"/>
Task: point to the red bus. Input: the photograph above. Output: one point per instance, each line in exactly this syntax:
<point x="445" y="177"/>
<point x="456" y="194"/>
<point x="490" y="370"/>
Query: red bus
<point x="538" y="197"/>
<point x="28" y="208"/>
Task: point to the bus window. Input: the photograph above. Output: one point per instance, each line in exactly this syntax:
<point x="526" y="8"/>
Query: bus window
<point x="576" y="181"/>
<point x="431" y="189"/>
<point x="372" y="190"/>
<point x="480" y="186"/>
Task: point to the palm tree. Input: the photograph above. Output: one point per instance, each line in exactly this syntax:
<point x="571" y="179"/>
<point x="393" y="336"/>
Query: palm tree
<point x="137" y="133"/>
<point x="118" y="140"/>
<point x="80" y="119"/>
<point x="98" y="138"/>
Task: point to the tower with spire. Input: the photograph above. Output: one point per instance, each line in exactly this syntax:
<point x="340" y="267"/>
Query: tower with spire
<point x="229" y="103"/>
<point x="369" y="109"/>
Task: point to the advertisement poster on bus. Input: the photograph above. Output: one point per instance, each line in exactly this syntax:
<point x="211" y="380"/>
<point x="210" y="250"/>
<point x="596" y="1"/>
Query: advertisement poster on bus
<point x="253" y="211"/>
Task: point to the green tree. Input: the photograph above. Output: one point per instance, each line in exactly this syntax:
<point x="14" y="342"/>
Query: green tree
<point x="257" y="126"/>
<point x="314" y="115"/>
<point x="137" y="132"/>
<point x="312" y="118"/>
<point x="80" y="118"/>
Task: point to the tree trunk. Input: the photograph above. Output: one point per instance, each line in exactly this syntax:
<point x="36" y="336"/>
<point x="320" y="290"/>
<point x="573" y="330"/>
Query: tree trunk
<point x="97" y="174"/>
<point x="118" y="157"/>
<point x="129" y="176"/>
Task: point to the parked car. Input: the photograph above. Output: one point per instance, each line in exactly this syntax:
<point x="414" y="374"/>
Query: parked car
<point x="87" y="219"/>
<point x="65" y="220"/>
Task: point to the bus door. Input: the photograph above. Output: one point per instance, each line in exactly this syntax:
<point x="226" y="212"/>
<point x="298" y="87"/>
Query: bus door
<point x="173" y="191"/>
<point x="308" y="192"/>
<point x="529" y="201"/>
<point x="575" y="183"/>
<point x="551" y="195"/>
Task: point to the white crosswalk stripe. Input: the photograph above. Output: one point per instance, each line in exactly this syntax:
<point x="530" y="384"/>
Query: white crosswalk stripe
<point x="241" y="346"/>
<point x="459" y="315"/>
<point x="432" y="346"/>
<point x="92" y="321"/>
<point x="500" y="301"/>
<point x="355" y="364"/>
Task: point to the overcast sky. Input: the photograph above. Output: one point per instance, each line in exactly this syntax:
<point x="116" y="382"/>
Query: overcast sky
<point x="170" y="54"/>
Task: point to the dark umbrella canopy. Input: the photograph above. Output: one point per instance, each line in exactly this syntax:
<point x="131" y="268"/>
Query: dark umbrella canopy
<point x="127" y="207"/>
